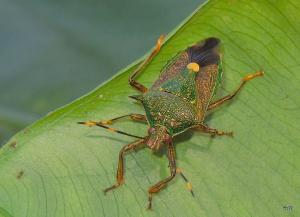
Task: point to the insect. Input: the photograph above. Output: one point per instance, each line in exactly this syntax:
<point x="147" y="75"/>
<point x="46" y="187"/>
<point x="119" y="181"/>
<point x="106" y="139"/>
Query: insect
<point x="176" y="102"/>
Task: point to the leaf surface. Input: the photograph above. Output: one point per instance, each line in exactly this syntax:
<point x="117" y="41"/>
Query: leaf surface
<point x="58" y="168"/>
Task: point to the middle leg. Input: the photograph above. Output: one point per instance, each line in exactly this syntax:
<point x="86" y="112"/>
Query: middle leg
<point x="103" y="124"/>
<point x="134" y="117"/>
<point x="213" y="132"/>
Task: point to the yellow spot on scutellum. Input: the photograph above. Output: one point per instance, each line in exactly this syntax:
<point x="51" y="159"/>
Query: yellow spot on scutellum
<point x="194" y="67"/>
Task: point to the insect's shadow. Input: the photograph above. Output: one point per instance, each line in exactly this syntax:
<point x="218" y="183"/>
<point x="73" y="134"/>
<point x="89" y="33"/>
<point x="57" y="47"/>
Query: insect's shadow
<point x="197" y="146"/>
<point x="182" y="142"/>
<point x="185" y="137"/>
<point x="178" y="140"/>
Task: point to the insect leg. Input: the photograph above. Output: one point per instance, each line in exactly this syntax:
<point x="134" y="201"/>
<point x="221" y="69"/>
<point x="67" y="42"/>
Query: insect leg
<point x="158" y="186"/>
<point x="120" y="171"/>
<point x="132" y="78"/>
<point x="135" y="117"/>
<point x="230" y="96"/>
<point x="99" y="124"/>
<point x="212" y="131"/>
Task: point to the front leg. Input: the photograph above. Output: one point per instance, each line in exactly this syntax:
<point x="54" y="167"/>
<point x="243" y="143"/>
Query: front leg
<point x="120" y="171"/>
<point x="161" y="184"/>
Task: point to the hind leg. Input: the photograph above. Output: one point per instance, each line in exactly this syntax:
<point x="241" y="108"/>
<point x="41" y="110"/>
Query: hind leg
<point x="132" y="78"/>
<point x="230" y="96"/>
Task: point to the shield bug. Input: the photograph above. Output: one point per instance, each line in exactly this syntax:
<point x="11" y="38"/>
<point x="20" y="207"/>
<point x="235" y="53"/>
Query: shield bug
<point x="176" y="102"/>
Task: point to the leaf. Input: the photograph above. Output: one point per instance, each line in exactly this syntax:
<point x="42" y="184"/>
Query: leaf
<point x="59" y="168"/>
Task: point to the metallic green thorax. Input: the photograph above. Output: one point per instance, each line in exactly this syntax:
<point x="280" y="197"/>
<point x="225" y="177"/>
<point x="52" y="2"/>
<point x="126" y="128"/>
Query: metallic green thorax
<point x="169" y="110"/>
<point x="179" y="98"/>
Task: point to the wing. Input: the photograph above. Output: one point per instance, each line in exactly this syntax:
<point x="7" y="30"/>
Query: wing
<point x="207" y="55"/>
<point x="173" y="68"/>
<point x="205" y="52"/>
<point x="195" y="87"/>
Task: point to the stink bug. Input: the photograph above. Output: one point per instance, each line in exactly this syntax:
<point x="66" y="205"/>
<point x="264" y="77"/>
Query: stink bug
<point x="176" y="102"/>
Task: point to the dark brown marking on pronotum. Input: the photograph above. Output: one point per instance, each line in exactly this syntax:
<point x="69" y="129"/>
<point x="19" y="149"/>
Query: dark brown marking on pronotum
<point x="20" y="174"/>
<point x="176" y="102"/>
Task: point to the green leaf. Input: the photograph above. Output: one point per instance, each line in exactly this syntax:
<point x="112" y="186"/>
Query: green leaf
<point x="59" y="168"/>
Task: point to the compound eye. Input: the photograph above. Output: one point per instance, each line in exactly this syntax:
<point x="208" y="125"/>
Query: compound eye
<point x="151" y="130"/>
<point x="168" y="138"/>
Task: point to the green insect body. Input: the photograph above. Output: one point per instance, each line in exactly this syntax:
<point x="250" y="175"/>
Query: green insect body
<point x="176" y="102"/>
<point x="168" y="110"/>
